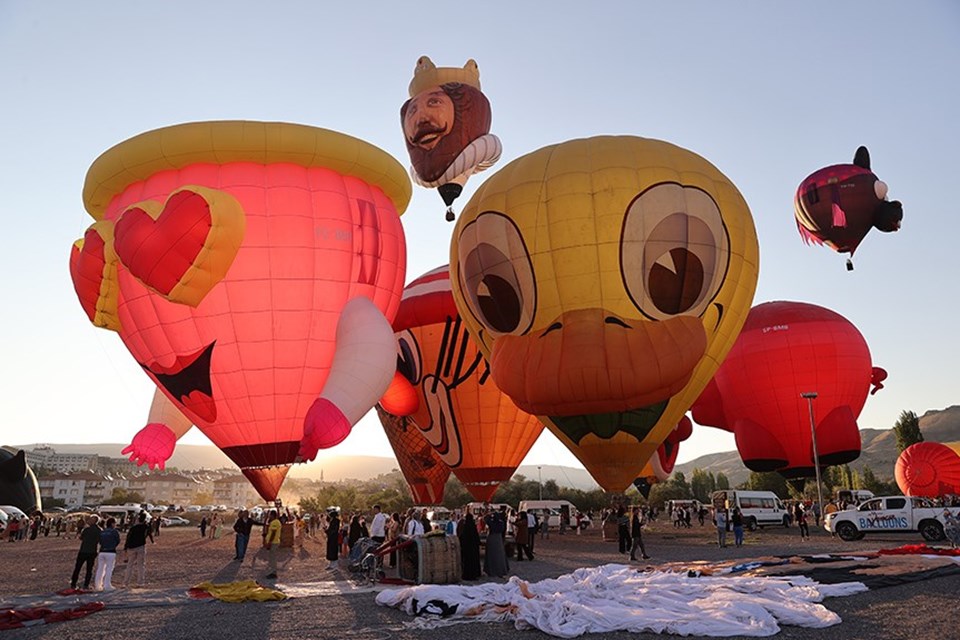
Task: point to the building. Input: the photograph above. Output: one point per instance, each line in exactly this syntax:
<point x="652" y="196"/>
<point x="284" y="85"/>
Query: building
<point x="48" y="458"/>
<point x="234" y="491"/>
<point x="169" y="488"/>
<point x="79" y="489"/>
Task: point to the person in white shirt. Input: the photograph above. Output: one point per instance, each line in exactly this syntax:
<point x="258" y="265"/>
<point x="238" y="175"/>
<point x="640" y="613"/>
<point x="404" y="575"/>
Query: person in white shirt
<point x="378" y="528"/>
<point x="531" y="529"/>
<point x="413" y="526"/>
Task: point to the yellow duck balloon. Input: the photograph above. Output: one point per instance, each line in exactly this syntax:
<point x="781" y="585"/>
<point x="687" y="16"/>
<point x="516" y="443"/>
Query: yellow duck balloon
<point x="605" y="279"/>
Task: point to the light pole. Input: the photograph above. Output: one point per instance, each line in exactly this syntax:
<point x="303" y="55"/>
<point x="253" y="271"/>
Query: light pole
<point x="811" y="396"/>
<point x="540" y="481"/>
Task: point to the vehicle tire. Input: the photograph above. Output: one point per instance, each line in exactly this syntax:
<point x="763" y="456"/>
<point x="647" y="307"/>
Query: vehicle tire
<point x="932" y="530"/>
<point x="848" y="532"/>
<point x="751" y="524"/>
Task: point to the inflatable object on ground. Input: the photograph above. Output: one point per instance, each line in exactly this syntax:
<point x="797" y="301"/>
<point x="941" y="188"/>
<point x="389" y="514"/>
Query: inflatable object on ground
<point x="839" y="204"/>
<point x="605" y="279"/>
<point x="786" y="349"/>
<point x="252" y="269"/>
<point x="929" y="469"/>
<point x="423" y="469"/>
<point x="443" y="383"/>
<point x="446" y="126"/>
<point x="18" y="484"/>
<point x="661" y="464"/>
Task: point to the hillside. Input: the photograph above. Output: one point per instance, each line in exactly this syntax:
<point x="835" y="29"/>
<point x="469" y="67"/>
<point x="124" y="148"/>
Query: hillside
<point x="878" y="448"/>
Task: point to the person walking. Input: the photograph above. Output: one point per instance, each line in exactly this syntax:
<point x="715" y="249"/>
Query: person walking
<point x="203" y="527"/>
<point x="333" y="539"/>
<point x="521" y="532"/>
<point x="469" y="547"/>
<point x="242" y="528"/>
<point x="623" y="529"/>
<point x="800" y="515"/>
<point x="272" y="542"/>
<point x="135" y="549"/>
<point x="107" y="558"/>
<point x="89" y="542"/>
<point x="720" y="519"/>
<point x="533" y="528"/>
<point x="736" y="519"/>
<point x="636" y="534"/>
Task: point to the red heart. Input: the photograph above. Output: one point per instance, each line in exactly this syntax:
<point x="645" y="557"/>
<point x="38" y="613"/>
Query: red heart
<point x="158" y="252"/>
<point x="87" y="265"/>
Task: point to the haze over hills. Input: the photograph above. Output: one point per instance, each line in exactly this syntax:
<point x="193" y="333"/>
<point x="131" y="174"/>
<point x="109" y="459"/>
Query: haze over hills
<point x="878" y="451"/>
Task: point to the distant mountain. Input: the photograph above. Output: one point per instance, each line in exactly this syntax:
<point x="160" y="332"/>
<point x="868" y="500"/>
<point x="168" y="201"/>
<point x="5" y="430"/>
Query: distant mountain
<point x="878" y="448"/>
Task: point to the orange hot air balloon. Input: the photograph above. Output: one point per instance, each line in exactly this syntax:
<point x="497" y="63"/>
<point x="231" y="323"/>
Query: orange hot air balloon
<point x="423" y="469"/>
<point x="929" y="469"/>
<point x="445" y="386"/>
<point x="252" y="269"/>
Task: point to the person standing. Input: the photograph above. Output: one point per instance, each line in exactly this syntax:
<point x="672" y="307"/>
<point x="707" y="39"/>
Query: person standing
<point x="533" y="527"/>
<point x="272" y="542"/>
<point x="720" y="519"/>
<point x="135" y="548"/>
<point x="636" y="534"/>
<point x="469" y="547"/>
<point x="736" y="519"/>
<point x="89" y="542"/>
<point x="107" y="558"/>
<point x="242" y="527"/>
<point x="333" y="539"/>
<point x="378" y="527"/>
<point x="800" y="515"/>
<point x="495" y="559"/>
<point x="623" y="529"/>
<point x="521" y="532"/>
<point x="413" y="526"/>
<point x="203" y="527"/>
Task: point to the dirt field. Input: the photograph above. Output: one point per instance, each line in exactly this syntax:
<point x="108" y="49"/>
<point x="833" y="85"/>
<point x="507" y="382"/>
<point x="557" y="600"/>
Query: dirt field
<point x="180" y="559"/>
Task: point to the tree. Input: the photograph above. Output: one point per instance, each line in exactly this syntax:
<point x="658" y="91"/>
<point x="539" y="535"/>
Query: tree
<point x="767" y="482"/>
<point x="722" y="481"/>
<point x="907" y="429"/>
<point x="702" y="485"/>
<point x="119" y="495"/>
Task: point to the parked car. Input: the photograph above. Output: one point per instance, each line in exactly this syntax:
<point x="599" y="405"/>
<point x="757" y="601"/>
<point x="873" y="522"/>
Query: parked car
<point x="174" y="521"/>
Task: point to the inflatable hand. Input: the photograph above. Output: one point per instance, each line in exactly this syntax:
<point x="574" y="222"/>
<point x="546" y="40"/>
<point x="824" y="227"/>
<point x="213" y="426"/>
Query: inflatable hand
<point x="153" y="445"/>
<point x="324" y="427"/>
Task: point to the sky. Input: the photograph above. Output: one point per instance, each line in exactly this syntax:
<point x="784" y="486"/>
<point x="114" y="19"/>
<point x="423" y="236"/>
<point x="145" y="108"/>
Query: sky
<point x="767" y="92"/>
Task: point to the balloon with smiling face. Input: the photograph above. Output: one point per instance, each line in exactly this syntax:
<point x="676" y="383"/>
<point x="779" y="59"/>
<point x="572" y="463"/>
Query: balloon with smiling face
<point x="252" y="270"/>
<point x="605" y="279"/>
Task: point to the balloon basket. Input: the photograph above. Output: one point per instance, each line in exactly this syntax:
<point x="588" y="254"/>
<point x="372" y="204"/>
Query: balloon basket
<point x="849" y="265"/>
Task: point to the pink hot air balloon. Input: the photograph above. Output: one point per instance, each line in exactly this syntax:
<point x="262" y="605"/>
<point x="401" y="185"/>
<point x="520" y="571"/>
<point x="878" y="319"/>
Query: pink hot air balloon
<point x="252" y="270"/>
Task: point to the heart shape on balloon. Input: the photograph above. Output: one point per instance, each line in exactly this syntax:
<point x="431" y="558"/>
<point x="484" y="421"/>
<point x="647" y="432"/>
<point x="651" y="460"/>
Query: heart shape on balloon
<point x="184" y="247"/>
<point x="93" y="268"/>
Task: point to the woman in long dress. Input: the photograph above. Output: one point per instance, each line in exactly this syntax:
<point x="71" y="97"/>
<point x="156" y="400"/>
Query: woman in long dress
<point x="495" y="555"/>
<point x="333" y="540"/>
<point x="469" y="547"/>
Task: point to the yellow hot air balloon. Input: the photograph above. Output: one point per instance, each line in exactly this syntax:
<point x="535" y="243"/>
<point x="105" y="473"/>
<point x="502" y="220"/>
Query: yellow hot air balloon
<point x="605" y="279"/>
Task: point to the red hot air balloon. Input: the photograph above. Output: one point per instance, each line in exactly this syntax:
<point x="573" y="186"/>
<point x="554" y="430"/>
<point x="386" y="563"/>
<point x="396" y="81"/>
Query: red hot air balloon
<point x="785" y="349"/>
<point x="444" y="384"/>
<point x="929" y="469"/>
<point x="423" y="469"/>
<point x="839" y="204"/>
<point x="252" y="270"/>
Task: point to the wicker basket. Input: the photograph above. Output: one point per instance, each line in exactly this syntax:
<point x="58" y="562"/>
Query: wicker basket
<point x="433" y="559"/>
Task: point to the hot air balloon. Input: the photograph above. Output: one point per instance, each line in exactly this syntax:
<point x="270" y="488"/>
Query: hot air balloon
<point x="154" y="444"/>
<point x="423" y="469"/>
<point x="444" y="385"/>
<point x="605" y="279"/>
<point x="18" y="484"/>
<point x="252" y="270"/>
<point x="839" y="204"/>
<point x="661" y="464"/>
<point x="929" y="469"/>
<point x="784" y="350"/>
<point x="446" y="125"/>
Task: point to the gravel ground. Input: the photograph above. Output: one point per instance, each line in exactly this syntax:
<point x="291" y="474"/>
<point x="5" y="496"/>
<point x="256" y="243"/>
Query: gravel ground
<point x="180" y="558"/>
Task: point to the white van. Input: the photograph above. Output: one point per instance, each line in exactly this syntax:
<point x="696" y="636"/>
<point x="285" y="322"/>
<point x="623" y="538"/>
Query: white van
<point x="12" y="511"/>
<point x="759" y="508"/>
<point x="550" y="512"/>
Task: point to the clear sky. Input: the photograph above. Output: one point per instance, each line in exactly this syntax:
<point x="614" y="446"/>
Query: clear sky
<point x="767" y="91"/>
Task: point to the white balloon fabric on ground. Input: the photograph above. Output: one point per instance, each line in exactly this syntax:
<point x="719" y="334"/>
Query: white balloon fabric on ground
<point x="616" y="597"/>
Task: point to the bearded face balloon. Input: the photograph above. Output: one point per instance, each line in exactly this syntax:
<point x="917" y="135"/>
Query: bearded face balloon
<point x="446" y="126"/>
<point x="252" y="270"/>
<point x="605" y="279"/>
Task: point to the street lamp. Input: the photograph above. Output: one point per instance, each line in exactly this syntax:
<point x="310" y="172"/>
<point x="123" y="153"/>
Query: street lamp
<point x="540" y="481"/>
<point x="811" y="396"/>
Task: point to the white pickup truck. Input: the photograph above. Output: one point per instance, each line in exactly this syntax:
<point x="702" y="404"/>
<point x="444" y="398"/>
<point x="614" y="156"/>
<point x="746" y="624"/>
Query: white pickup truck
<point x="889" y="514"/>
